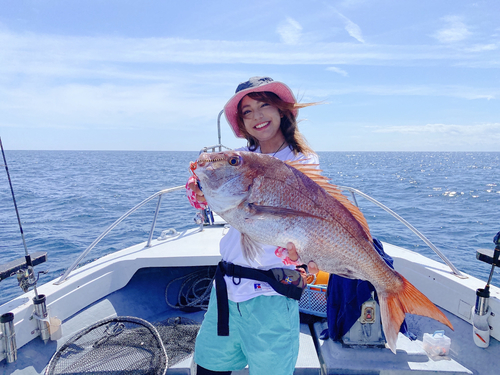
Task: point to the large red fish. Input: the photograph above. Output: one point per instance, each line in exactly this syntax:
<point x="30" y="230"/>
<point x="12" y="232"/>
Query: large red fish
<point x="272" y="202"/>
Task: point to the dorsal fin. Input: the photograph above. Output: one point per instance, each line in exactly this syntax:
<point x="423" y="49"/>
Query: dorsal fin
<point x="314" y="173"/>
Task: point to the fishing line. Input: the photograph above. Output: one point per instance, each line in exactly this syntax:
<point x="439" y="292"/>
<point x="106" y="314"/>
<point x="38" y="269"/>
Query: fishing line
<point x="27" y="255"/>
<point x="14" y="198"/>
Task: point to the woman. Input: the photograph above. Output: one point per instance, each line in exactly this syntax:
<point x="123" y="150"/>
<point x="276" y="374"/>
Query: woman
<point x="264" y="325"/>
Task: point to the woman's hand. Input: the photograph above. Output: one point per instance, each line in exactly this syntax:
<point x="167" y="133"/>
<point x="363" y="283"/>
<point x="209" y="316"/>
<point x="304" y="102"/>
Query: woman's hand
<point x="199" y="194"/>
<point x="312" y="267"/>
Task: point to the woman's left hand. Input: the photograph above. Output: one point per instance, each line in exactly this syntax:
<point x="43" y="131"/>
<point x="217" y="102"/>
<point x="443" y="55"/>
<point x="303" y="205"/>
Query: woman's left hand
<point x="312" y="267"/>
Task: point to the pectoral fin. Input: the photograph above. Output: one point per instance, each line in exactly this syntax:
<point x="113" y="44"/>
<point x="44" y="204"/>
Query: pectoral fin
<point x="251" y="249"/>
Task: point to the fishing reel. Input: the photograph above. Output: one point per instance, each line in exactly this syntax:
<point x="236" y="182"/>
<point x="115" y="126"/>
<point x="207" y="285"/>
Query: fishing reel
<point x="23" y="268"/>
<point x="26" y="278"/>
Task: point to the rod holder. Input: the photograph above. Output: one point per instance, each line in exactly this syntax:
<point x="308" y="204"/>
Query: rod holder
<point x="482" y="298"/>
<point x="8" y="336"/>
<point x="41" y="316"/>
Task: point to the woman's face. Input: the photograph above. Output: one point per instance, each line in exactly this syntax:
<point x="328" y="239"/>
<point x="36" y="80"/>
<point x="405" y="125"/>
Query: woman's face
<point x="262" y="120"/>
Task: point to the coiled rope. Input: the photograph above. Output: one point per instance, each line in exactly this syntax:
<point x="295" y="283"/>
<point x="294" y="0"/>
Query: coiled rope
<point x="194" y="291"/>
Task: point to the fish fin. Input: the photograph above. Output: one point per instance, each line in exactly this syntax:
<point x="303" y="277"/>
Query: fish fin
<point x="256" y="209"/>
<point x="251" y="248"/>
<point x="394" y="306"/>
<point x="314" y="173"/>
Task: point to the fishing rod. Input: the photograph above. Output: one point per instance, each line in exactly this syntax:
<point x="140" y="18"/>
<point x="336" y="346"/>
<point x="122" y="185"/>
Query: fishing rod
<point x="26" y="278"/>
<point x="31" y="281"/>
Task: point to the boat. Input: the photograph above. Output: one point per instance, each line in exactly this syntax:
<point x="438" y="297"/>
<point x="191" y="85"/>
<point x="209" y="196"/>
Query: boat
<point x="147" y="299"/>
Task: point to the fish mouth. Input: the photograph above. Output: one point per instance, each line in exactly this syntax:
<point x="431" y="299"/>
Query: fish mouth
<point x="203" y="160"/>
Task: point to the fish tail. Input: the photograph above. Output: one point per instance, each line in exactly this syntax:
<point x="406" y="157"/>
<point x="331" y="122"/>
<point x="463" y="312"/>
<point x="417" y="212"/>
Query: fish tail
<point x="394" y="306"/>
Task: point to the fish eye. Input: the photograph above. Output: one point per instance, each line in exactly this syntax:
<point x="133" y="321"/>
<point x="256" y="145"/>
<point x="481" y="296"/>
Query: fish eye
<point x="234" y="161"/>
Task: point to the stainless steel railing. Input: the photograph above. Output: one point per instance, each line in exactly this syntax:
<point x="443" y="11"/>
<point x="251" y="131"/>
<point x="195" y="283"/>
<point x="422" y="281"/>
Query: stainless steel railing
<point x="112" y="226"/>
<point x="166" y="191"/>
<point x="353" y="191"/>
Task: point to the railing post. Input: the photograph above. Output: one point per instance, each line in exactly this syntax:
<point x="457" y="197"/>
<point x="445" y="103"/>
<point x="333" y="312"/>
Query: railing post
<point x="218" y="129"/>
<point x="154" y="221"/>
<point x="123" y="217"/>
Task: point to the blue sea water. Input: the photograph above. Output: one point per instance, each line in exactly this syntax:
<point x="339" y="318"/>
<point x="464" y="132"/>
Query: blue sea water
<point x="67" y="198"/>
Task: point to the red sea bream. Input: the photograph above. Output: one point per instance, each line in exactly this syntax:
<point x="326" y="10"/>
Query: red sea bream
<point x="272" y="202"/>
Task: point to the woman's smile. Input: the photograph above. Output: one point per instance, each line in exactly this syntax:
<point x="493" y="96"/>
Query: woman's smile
<point x="260" y="126"/>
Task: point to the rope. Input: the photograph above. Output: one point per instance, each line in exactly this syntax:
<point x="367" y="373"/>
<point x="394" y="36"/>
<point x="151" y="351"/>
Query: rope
<point x="194" y="291"/>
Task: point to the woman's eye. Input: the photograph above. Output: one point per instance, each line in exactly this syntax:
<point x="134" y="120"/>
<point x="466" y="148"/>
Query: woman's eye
<point x="264" y="105"/>
<point x="234" y="161"/>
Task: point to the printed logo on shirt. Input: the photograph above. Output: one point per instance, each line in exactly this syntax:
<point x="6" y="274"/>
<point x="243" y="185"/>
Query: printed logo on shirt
<point x="262" y="287"/>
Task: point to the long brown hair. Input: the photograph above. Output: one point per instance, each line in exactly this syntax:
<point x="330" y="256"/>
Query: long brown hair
<point x="288" y="125"/>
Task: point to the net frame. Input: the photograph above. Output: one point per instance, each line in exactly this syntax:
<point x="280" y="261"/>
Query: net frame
<point x="129" y="345"/>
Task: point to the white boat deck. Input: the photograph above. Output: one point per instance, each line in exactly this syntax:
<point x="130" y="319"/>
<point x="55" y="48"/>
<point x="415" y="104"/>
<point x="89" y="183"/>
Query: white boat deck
<point x="132" y="282"/>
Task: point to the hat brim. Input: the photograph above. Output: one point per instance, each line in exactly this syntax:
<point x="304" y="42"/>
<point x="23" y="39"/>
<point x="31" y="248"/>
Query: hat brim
<point x="231" y="107"/>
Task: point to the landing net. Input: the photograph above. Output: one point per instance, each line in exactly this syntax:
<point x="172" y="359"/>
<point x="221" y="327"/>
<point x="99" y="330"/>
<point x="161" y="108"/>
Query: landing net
<point x="126" y="345"/>
<point x="120" y="345"/>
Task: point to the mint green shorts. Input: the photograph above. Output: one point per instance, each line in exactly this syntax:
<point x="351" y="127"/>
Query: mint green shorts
<point x="263" y="333"/>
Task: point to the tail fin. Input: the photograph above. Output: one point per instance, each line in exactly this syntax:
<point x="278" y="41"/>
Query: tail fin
<point x="410" y="300"/>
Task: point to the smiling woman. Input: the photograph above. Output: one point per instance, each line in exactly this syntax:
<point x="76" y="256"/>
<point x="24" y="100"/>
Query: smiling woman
<point x="263" y="112"/>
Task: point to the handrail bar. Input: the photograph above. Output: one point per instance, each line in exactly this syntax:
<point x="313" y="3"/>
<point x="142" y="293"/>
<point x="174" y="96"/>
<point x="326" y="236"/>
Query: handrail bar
<point x="205" y="149"/>
<point x="112" y="226"/>
<point x="411" y="227"/>
<point x="165" y="191"/>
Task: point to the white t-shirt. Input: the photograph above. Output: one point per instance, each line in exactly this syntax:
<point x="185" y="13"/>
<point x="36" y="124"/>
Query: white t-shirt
<point x="230" y="249"/>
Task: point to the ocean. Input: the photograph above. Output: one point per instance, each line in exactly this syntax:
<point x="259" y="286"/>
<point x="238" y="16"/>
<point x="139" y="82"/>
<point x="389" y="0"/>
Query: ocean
<point x="66" y="199"/>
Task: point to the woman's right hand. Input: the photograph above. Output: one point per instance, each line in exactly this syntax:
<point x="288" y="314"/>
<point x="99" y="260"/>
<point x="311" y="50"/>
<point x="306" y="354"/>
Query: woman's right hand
<point x="200" y="197"/>
<point x="195" y="195"/>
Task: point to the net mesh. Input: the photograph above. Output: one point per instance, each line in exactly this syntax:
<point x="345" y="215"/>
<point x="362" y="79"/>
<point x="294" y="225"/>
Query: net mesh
<point x="178" y="336"/>
<point x="120" y="345"/>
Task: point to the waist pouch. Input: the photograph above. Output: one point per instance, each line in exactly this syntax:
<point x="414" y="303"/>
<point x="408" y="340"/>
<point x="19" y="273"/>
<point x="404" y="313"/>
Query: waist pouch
<point x="284" y="281"/>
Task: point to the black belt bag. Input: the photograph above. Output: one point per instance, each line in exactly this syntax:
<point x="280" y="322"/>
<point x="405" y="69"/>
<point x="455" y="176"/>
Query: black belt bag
<point x="284" y="281"/>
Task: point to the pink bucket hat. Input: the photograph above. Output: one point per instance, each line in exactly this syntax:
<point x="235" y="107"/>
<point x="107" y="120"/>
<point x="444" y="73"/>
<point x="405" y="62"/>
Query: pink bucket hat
<point x="255" y="84"/>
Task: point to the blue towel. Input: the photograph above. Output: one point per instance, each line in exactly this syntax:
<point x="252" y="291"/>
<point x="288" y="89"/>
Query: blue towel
<point x="345" y="297"/>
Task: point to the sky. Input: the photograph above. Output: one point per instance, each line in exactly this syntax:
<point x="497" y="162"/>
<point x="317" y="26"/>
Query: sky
<point x="391" y="75"/>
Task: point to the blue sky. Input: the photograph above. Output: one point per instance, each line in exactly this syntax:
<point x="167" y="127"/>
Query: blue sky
<point x="153" y="75"/>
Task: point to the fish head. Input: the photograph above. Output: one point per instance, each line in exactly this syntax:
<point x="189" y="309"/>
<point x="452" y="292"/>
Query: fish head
<point x="225" y="178"/>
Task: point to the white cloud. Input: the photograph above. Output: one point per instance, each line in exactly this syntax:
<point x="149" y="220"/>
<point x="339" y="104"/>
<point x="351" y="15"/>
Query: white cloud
<point x="60" y="56"/>
<point x="353" y="3"/>
<point x="353" y="29"/>
<point x="290" y="31"/>
<point x="482" y="47"/>
<point x="337" y="70"/>
<point x="444" y="137"/>
<point x="454" y="91"/>
<point x="478" y="130"/>
<point x="454" y="30"/>
<point x="78" y="105"/>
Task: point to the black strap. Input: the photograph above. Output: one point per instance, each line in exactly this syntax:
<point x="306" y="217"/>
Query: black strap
<point x="222" y="302"/>
<point x="230" y="269"/>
